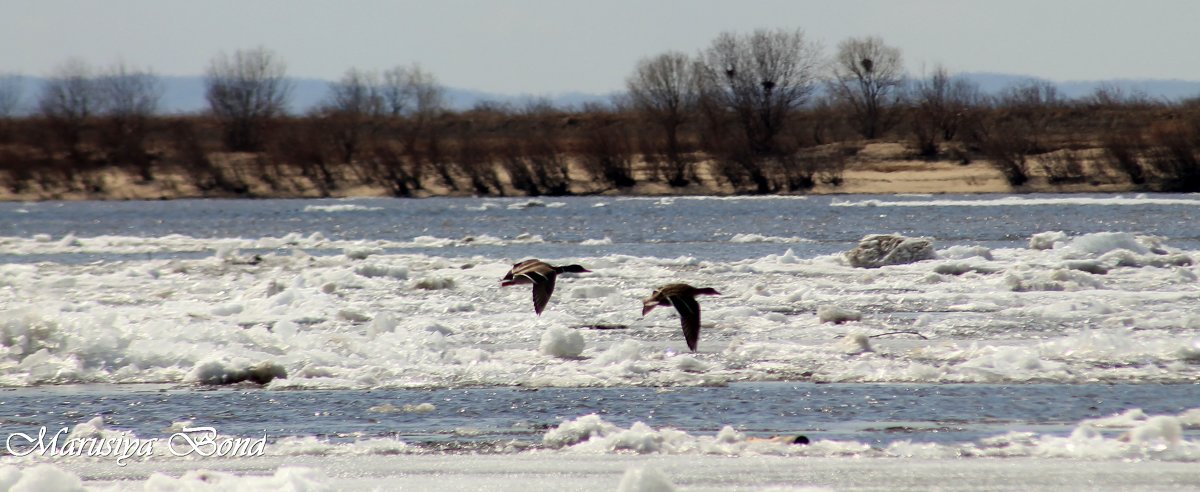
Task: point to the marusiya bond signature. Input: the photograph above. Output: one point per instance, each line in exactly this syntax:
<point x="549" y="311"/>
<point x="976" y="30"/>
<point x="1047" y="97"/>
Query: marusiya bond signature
<point x="201" y="441"/>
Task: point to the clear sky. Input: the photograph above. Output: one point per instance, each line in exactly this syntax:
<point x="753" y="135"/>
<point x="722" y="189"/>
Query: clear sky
<point x="554" y="46"/>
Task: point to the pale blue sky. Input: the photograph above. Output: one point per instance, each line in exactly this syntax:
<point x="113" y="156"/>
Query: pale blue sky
<point x="553" y="46"/>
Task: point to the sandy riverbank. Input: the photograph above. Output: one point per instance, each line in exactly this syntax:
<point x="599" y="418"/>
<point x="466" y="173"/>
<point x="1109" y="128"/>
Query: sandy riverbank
<point x="879" y="168"/>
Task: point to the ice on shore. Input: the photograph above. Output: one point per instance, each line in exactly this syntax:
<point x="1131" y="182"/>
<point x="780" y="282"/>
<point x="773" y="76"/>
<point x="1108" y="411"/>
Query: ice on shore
<point x="39" y="478"/>
<point x="295" y="479"/>
<point x="590" y="453"/>
<point x="1156" y="437"/>
<point x="645" y="479"/>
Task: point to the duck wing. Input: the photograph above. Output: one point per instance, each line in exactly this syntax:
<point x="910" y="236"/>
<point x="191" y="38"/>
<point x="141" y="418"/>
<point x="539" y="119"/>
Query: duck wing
<point x="543" y="286"/>
<point x="518" y="268"/>
<point x="689" y="316"/>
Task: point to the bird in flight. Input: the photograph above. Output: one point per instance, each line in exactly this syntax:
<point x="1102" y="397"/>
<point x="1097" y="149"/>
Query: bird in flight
<point x="541" y="275"/>
<point x="683" y="297"/>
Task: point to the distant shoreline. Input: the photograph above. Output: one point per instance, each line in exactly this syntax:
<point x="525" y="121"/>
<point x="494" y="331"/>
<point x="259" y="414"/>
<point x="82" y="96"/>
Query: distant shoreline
<point x="880" y="169"/>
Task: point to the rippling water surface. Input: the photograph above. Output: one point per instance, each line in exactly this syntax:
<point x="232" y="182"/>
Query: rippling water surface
<point x="666" y="227"/>
<point x="395" y="338"/>
<point x="869" y="413"/>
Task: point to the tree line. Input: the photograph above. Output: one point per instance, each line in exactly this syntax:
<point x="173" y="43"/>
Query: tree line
<point x="759" y="112"/>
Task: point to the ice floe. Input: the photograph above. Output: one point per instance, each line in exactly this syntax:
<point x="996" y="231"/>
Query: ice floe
<point x="1094" y="308"/>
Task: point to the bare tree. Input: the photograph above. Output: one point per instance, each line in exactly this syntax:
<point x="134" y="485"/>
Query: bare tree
<point x="665" y="89"/>
<point x="129" y="100"/>
<point x="868" y="76"/>
<point x="411" y="91"/>
<point x="69" y="98"/>
<point x="942" y="105"/>
<point x="412" y="98"/>
<point x="761" y="79"/>
<point x="1108" y="95"/>
<point x="1029" y="108"/>
<point x="246" y="92"/>
<point x="354" y="112"/>
<point x="1016" y="127"/>
<point x="11" y="92"/>
<point x="128" y="93"/>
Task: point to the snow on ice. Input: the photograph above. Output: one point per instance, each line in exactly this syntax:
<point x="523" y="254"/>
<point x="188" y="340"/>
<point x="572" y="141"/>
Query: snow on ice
<point x="1105" y="307"/>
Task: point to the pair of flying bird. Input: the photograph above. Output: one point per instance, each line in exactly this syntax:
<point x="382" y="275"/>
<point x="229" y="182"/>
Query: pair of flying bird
<point x="683" y="296"/>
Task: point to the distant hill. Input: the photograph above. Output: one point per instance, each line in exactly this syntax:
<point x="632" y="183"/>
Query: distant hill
<point x="185" y="94"/>
<point x="1168" y="89"/>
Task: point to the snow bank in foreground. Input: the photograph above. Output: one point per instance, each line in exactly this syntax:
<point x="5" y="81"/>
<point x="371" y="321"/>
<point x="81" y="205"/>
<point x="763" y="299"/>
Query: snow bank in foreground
<point x="285" y="478"/>
<point x="1143" y="437"/>
<point x="38" y="478"/>
<point x="50" y="478"/>
<point x="645" y="479"/>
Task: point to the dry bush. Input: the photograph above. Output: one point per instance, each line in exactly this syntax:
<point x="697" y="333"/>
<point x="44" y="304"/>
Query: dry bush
<point x="388" y="165"/>
<point x="676" y="167"/>
<point x="1063" y="167"/>
<point x="1122" y="150"/>
<point x="1007" y="145"/>
<point x="16" y="171"/>
<point x="1174" y="154"/>
<point x="305" y="146"/>
<point x="519" y="174"/>
<point x="740" y="167"/>
<point x="1015" y="127"/>
<point x="432" y="153"/>
<point x="533" y="150"/>
<point x="606" y="151"/>
<point x="473" y="159"/>
<point x="548" y="164"/>
<point x="831" y="168"/>
<point x="1030" y="109"/>
<point x="797" y="173"/>
<point x="192" y="158"/>
<point x="941" y="106"/>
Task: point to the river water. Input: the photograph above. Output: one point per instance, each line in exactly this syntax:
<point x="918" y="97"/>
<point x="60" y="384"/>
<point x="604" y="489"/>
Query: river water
<point x="1059" y="326"/>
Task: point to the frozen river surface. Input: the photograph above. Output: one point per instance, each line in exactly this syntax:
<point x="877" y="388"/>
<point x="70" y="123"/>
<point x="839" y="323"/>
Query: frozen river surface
<point x="1065" y="325"/>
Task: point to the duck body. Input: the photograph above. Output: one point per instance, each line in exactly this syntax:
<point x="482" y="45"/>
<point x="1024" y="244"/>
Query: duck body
<point x="683" y="297"/>
<point x="542" y="275"/>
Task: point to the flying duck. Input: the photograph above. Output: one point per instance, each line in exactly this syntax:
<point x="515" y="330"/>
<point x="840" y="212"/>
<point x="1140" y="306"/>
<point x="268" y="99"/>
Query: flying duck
<point x="683" y="297"/>
<point x="541" y="275"/>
